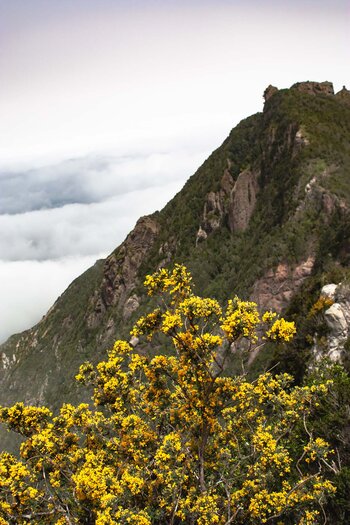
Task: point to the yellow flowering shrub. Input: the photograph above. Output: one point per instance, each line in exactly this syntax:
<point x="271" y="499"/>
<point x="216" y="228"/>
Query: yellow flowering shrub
<point x="169" y="439"/>
<point x="281" y="330"/>
<point x="241" y="319"/>
<point x="320" y="305"/>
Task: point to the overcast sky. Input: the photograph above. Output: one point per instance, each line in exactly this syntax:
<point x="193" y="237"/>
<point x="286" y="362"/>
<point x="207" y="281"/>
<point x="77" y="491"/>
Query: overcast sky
<point x="108" y="106"/>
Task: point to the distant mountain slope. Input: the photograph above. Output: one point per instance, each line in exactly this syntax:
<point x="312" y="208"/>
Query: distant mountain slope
<point x="265" y="216"/>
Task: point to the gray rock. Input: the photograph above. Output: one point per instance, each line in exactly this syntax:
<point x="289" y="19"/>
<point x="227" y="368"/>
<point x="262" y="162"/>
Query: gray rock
<point x="337" y="318"/>
<point x="243" y="200"/>
<point x="134" y="341"/>
<point x="329" y="291"/>
<point x="130" y="306"/>
<point x="336" y="321"/>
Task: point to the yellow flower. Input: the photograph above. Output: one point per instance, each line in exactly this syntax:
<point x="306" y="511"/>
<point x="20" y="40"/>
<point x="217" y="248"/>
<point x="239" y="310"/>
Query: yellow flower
<point x="281" y="330"/>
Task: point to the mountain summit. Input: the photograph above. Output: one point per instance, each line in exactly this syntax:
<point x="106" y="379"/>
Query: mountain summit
<point x="266" y="216"/>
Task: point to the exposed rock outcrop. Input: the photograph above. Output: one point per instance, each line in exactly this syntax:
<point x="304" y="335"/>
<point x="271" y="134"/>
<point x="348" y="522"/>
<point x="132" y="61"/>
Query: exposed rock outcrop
<point x="214" y="210"/>
<point x="276" y="288"/>
<point x="234" y="203"/>
<point x="269" y="92"/>
<point x="130" y="306"/>
<point x="166" y="251"/>
<point x="215" y="207"/>
<point x="314" y="88"/>
<point x="344" y="96"/>
<point x="201" y="235"/>
<point x="120" y="270"/>
<point x="337" y="318"/>
<point x="301" y="139"/>
<point x="243" y="200"/>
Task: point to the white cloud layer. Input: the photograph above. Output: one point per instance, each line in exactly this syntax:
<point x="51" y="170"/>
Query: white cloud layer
<point x="45" y="241"/>
<point x="84" y="206"/>
<point x="29" y="288"/>
<point x="91" y="179"/>
<point x="77" y="229"/>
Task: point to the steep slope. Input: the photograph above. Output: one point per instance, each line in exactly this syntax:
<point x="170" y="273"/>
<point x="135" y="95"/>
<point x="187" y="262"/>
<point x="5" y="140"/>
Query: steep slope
<point x="265" y="216"/>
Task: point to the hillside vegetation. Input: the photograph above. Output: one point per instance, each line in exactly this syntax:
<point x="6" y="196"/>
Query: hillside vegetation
<point x="173" y="440"/>
<point x="265" y="217"/>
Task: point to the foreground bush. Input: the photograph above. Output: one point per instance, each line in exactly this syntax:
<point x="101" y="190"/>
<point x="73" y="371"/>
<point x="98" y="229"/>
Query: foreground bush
<point x="171" y="440"/>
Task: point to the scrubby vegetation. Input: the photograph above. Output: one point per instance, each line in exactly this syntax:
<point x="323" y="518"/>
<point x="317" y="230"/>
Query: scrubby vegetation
<point x="301" y="212"/>
<point x="172" y="439"/>
<point x="284" y="216"/>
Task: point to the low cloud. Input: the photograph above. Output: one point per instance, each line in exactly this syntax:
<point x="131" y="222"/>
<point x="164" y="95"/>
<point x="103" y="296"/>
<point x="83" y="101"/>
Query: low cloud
<point x="29" y="288"/>
<point x="55" y="221"/>
<point x="78" y="229"/>
<point x="84" y="206"/>
<point x="89" y="179"/>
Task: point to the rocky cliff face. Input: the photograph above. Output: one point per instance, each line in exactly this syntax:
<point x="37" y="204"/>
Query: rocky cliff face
<point x="232" y="205"/>
<point x="120" y="277"/>
<point x="315" y="88"/>
<point x="337" y="318"/>
<point x="264" y="214"/>
<point x="84" y="317"/>
<point x="277" y="287"/>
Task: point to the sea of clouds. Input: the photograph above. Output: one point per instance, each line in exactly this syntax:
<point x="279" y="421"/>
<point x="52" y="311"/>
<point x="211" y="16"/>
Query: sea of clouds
<point x="56" y="220"/>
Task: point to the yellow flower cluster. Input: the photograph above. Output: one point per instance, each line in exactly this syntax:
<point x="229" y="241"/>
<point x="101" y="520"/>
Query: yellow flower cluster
<point x="16" y="488"/>
<point x="281" y="330"/>
<point x="171" y="321"/>
<point x="177" y="282"/>
<point x="148" y="324"/>
<point x="196" y="307"/>
<point x="241" y="320"/>
<point x="320" y="305"/>
<point x="316" y="449"/>
<point x="25" y="419"/>
<point x="175" y="441"/>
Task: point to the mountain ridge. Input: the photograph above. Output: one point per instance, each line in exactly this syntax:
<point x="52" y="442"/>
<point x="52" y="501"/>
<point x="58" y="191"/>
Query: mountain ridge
<point x="254" y="220"/>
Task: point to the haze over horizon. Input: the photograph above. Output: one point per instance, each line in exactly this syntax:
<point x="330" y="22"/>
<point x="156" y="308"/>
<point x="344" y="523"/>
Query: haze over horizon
<point x="109" y="106"/>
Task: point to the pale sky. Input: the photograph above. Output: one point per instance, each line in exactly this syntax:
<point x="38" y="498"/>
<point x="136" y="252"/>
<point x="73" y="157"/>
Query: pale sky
<point x="107" y="107"/>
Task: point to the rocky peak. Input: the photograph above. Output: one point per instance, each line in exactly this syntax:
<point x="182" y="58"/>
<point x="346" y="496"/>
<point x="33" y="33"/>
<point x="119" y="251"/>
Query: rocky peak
<point x="314" y="88"/>
<point x="344" y="95"/>
<point x="269" y="92"/>
<point x="311" y="88"/>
